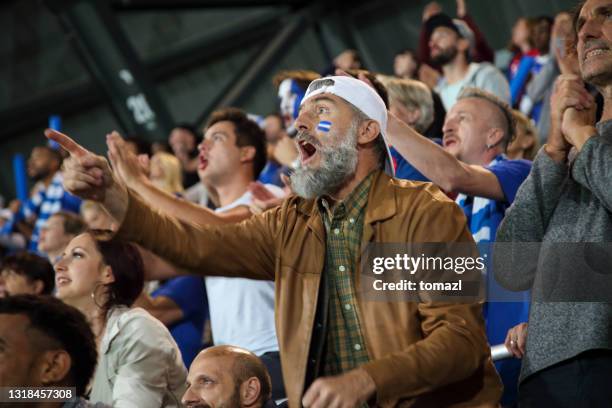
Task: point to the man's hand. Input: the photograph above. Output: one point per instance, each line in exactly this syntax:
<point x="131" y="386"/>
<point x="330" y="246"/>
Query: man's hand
<point x="569" y="92"/>
<point x="461" y="8"/>
<point x="577" y="126"/>
<point x="89" y="176"/>
<point x="349" y="390"/>
<point x="126" y="165"/>
<point x="516" y="340"/>
<point x="430" y="10"/>
<point x="263" y="199"/>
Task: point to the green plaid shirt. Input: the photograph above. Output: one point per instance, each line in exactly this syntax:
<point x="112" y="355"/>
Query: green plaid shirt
<point x="345" y="345"/>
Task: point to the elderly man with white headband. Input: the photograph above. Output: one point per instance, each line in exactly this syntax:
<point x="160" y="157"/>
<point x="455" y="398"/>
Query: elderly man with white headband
<point x="338" y="347"/>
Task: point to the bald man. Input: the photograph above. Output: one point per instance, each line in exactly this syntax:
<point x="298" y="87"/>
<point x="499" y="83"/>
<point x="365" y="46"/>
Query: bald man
<point x="228" y="377"/>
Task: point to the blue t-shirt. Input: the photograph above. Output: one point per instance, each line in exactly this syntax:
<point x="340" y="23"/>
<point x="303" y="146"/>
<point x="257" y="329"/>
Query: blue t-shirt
<point x="189" y="293"/>
<point x="485" y="215"/>
<point x="406" y="171"/>
<point x="271" y="174"/>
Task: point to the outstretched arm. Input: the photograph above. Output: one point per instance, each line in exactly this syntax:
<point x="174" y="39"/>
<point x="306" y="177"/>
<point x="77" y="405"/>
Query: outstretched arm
<point x="441" y="167"/>
<point x="89" y="176"/>
<point x="127" y="169"/>
<point x="207" y="250"/>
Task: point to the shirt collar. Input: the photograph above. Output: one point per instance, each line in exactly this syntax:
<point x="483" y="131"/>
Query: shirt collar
<point x="356" y="199"/>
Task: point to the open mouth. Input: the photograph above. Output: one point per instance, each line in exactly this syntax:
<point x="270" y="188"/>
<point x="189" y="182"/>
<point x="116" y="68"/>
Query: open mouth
<point x="307" y="150"/>
<point x="202" y="162"/>
<point x="62" y="280"/>
<point x="448" y="142"/>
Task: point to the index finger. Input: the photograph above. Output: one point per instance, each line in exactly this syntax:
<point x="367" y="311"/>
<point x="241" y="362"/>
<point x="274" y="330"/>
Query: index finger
<point x="66" y="142"/>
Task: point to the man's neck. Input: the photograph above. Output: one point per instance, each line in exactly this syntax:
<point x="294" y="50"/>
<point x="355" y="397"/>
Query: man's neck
<point x="232" y="189"/>
<point x="484" y="159"/>
<point x="48" y="179"/>
<point x="456" y="70"/>
<point x="360" y="174"/>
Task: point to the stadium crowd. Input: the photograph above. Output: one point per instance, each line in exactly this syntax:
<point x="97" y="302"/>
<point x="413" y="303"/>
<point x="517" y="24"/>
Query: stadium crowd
<point x="225" y="268"/>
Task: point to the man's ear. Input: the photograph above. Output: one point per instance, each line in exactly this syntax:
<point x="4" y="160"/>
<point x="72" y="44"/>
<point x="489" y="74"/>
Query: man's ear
<point x="368" y="132"/>
<point x="250" y="391"/>
<point x="247" y="153"/>
<point x="495" y="137"/>
<point x="463" y="44"/>
<point x="54" y="366"/>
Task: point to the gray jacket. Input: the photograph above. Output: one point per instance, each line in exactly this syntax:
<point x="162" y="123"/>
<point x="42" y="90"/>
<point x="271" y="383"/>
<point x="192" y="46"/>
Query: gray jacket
<point x="139" y="363"/>
<point x="568" y="211"/>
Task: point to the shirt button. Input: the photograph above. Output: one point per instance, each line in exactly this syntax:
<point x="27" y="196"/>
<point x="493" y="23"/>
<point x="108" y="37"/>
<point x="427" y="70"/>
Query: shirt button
<point x="341" y="268"/>
<point x="352" y="220"/>
<point x="336" y="231"/>
<point x="357" y="347"/>
<point x="347" y="306"/>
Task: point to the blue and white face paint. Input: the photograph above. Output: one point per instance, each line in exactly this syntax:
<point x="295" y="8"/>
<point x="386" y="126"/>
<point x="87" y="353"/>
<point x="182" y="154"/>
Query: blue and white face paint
<point x="324" y="126"/>
<point x="290" y="96"/>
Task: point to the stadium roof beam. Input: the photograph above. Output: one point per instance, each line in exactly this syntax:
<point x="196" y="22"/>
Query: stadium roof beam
<point x="81" y="95"/>
<point x="246" y="81"/>
<point x="111" y="60"/>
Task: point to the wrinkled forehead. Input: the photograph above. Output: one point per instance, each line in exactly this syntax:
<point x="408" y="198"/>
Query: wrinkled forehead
<point x="214" y="366"/>
<point x="590" y="8"/>
<point x="467" y="105"/>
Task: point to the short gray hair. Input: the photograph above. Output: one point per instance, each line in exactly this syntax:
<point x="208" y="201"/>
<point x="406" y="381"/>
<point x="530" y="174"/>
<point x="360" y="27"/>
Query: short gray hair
<point x="413" y="95"/>
<point x="509" y="127"/>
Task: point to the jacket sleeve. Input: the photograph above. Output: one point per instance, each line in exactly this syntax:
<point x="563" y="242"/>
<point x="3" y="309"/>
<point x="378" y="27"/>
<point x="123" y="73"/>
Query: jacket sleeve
<point x="246" y="249"/>
<point x="454" y="344"/>
<point x="525" y="222"/>
<point x="593" y="169"/>
<point x="149" y="366"/>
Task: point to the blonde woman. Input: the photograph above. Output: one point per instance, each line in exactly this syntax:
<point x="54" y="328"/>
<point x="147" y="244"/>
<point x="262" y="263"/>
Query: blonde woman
<point x="411" y="101"/>
<point x="166" y="173"/>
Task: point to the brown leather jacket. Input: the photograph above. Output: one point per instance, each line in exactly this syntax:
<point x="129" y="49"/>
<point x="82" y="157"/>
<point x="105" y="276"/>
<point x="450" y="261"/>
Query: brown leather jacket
<point x="422" y="354"/>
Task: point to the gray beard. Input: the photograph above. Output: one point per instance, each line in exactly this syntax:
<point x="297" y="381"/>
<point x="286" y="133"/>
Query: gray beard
<point x="337" y="165"/>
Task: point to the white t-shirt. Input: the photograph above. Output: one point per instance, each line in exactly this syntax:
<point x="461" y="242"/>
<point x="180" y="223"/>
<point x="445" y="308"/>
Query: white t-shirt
<point x="479" y="75"/>
<point x="242" y="310"/>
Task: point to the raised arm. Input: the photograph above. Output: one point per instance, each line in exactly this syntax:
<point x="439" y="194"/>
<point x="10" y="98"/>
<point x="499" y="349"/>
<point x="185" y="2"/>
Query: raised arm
<point x="89" y="176"/>
<point x="441" y="167"/>
<point x="593" y="165"/>
<point x="126" y="168"/>
<point x="239" y="250"/>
